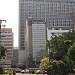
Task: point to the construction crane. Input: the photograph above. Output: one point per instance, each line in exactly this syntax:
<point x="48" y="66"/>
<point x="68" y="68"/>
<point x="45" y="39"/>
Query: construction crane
<point x="0" y="28"/>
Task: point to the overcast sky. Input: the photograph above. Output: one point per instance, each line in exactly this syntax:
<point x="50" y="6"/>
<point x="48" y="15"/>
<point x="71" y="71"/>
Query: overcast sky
<point x="9" y="12"/>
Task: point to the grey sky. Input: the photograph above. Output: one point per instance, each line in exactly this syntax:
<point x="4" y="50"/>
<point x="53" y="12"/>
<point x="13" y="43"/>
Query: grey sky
<point x="9" y="12"/>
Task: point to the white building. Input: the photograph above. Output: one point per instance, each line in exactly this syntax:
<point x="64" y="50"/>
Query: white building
<point x="7" y="42"/>
<point x="53" y="31"/>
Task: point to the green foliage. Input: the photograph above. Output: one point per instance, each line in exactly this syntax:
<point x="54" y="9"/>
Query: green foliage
<point x="57" y="55"/>
<point x="61" y="44"/>
<point x="58" y="46"/>
<point x="1" y="70"/>
<point x="70" y="35"/>
<point x="2" y="51"/>
<point x="62" y="49"/>
<point x="48" y="44"/>
<point x="71" y="52"/>
<point x="44" y="62"/>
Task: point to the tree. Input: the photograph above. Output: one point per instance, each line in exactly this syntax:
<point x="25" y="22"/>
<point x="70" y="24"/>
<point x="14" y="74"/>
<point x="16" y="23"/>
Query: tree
<point x="44" y="63"/>
<point x="1" y="70"/>
<point x="58" y="47"/>
<point x="62" y="48"/>
<point x="71" y="55"/>
<point x="2" y="52"/>
<point x="71" y="52"/>
<point x="48" y="44"/>
<point x="60" y="44"/>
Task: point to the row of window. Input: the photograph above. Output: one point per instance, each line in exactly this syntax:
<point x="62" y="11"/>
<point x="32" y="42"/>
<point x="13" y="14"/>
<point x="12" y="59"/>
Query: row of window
<point x="59" y="28"/>
<point x="56" y="4"/>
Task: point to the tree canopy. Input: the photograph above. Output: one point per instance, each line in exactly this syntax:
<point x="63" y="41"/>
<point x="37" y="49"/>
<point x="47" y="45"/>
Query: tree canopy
<point x="62" y="55"/>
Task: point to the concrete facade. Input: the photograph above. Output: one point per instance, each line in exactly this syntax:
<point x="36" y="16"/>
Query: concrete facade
<point x="7" y="42"/>
<point x="15" y="56"/>
<point x="35" y="40"/>
<point x="56" y="13"/>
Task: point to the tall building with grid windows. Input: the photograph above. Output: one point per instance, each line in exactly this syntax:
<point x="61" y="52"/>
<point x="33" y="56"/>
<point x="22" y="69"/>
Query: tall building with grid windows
<point x="35" y="41"/>
<point x="56" y="13"/>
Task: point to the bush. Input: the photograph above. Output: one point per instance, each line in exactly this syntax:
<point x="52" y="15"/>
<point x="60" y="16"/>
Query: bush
<point x="1" y="70"/>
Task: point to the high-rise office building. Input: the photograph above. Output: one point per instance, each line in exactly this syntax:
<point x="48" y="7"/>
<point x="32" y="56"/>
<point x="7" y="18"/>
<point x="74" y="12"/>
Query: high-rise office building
<point x="35" y="40"/>
<point x="56" y="13"/>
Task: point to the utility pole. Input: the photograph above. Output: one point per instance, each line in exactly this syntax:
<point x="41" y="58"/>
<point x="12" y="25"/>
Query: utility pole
<point x="0" y="28"/>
